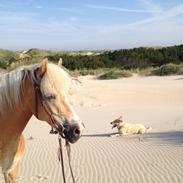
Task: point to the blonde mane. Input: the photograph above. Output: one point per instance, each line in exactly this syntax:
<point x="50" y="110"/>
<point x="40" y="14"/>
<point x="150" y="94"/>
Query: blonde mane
<point x="11" y="84"/>
<point x="10" y="88"/>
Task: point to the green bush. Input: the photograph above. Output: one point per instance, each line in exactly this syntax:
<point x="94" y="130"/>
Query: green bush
<point x="145" y="72"/>
<point x="115" y="74"/>
<point x="5" y="62"/>
<point x="180" y="69"/>
<point x="168" y="69"/>
<point x="85" y="72"/>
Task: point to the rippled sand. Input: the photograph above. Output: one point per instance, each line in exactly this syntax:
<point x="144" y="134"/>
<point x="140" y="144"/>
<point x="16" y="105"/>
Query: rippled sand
<point x="155" y="157"/>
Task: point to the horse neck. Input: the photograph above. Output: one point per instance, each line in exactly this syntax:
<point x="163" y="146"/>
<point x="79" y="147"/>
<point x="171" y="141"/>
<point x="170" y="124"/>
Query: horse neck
<point x="14" y="121"/>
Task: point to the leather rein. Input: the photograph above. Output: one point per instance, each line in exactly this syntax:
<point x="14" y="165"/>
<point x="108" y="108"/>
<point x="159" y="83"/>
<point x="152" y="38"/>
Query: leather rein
<point x="56" y="127"/>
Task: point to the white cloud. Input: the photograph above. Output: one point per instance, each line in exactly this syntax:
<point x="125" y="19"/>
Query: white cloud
<point x="73" y="19"/>
<point x="13" y="18"/>
<point x="149" y="5"/>
<point x="157" y="33"/>
<point x="71" y="10"/>
<point x="162" y="29"/>
<point x="122" y="9"/>
<point x="30" y="23"/>
<point x="173" y="12"/>
<point x="19" y="30"/>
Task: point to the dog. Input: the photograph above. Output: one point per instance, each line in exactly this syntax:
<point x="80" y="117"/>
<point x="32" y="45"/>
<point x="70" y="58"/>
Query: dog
<point x="127" y="128"/>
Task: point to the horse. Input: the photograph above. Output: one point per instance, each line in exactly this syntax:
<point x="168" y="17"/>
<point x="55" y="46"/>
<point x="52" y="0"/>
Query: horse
<point x="42" y="90"/>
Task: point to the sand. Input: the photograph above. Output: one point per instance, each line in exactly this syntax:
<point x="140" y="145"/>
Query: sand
<point x="155" y="157"/>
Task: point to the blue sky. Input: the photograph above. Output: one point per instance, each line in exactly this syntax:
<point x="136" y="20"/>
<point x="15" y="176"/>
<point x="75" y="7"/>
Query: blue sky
<point x="90" y="24"/>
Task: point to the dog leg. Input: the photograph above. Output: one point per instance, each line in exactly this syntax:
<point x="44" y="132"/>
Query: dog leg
<point x="115" y="135"/>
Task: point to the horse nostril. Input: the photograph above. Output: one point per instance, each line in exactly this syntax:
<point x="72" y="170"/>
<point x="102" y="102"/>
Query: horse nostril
<point x="76" y="132"/>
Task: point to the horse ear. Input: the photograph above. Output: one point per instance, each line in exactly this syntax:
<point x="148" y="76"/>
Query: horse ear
<point x="41" y="69"/>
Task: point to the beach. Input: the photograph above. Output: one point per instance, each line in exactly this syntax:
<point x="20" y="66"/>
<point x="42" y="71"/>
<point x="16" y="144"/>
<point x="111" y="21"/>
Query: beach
<point x="154" y="157"/>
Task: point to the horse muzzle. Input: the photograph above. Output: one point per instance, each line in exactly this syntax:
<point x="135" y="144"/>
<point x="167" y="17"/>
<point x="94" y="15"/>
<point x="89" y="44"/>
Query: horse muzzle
<point x="72" y="132"/>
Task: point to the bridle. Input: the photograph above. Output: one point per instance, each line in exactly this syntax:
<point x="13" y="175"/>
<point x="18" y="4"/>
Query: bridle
<point x="57" y="128"/>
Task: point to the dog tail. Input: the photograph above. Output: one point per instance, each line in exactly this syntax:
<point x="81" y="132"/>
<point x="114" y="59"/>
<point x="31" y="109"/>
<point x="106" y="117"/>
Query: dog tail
<point x="149" y="128"/>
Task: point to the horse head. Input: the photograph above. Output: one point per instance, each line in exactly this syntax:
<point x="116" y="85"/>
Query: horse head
<point x="51" y="84"/>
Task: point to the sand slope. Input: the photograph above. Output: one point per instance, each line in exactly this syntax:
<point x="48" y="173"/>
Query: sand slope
<point x="156" y="157"/>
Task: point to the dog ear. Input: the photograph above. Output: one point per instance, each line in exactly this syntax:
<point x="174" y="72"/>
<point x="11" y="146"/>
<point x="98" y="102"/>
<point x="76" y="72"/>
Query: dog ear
<point x="120" y="117"/>
<point x="41" y="69"/>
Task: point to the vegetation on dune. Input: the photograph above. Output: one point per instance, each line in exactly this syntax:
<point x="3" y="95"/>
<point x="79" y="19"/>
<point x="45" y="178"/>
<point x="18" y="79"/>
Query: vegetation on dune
<point x="168" y="69"/>
<point x="84" y="72"/>
<point x="145" y="61"/>
<point x="6" y="58"/>
<point x="127" y="58"/>
<point x="115" y="74"/>
<point x="38" y="53"/>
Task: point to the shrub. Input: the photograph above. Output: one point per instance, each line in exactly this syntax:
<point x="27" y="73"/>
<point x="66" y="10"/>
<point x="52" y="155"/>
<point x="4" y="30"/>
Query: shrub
<point x="85" y="72"/>
<point x="180" y="69"/>
<point x="146" y="71"/>
<point x="168" y="69"/>
<point x="115" y="74"/>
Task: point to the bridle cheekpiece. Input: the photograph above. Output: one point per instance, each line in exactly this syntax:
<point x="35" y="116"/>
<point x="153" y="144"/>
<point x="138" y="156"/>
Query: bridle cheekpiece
<point x="56" y="126"/>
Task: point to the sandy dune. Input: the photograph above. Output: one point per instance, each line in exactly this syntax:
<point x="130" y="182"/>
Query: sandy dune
<point x="156" y="157"/>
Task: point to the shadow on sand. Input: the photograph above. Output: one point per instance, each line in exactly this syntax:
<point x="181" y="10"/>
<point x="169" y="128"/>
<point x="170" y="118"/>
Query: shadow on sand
<point x="99" y="135"/>
<point x="168" y="137"/>
<point x="179" y="79"/>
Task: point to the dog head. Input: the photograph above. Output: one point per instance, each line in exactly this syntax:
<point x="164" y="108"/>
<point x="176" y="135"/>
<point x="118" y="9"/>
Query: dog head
<point x="117" y="122"/>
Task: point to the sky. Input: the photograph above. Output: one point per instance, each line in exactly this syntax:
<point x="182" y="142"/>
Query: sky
<point x="90" y="24"/>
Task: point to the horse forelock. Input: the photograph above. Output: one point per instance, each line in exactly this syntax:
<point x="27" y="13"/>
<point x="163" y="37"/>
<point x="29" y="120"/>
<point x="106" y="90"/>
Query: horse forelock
<point x="58" y="78"/>
<point x="11" y="88"/>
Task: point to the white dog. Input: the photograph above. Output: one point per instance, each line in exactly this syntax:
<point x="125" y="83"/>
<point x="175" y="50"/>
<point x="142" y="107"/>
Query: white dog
<point x="129" y="129"/>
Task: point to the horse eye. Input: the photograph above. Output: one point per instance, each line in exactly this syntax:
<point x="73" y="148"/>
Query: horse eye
<point x="50" y="97"/>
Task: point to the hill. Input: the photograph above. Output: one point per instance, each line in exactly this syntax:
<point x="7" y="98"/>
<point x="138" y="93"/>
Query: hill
<point x="141" y="57"/>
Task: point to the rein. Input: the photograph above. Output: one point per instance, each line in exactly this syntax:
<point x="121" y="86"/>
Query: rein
<point x="56" y="127"/>
<point x="60" y="157"/>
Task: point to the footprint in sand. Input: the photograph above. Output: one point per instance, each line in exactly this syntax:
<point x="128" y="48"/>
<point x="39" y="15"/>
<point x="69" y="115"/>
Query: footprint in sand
<point x="81" y="103"/>
<point x="39" y="177"/>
